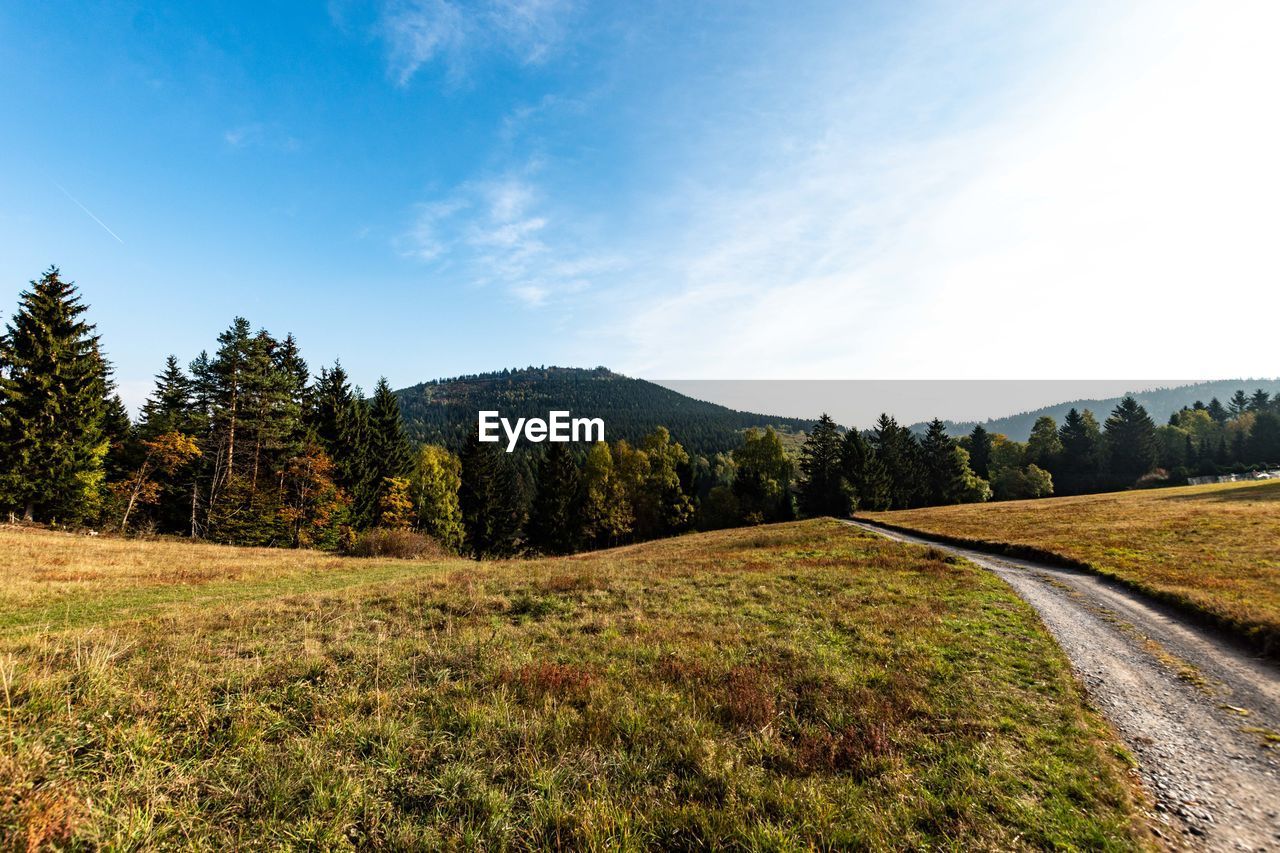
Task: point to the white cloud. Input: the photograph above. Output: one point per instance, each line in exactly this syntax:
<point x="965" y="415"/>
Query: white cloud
<point x="420" y="32"/>
<point x="1118" y="217"/>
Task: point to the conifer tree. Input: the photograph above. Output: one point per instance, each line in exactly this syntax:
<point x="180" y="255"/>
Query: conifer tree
<point x="1264" y="441"/>
<point x="491" y="500"/>
<point x="947" y="474"/>
<point x="387" y="454"/>
<point x="822" y="486"/>
<point x="899" y="452"/>
<point x="1130" y="438"/>
<point x="1239" y="403"/>
<point x="1081" y="458"/>
<point x="1260" y="401"/>
<point x="168" y="409"/>
<point x="1044" y="446"/>
<point x="336" y="419"/>
<point x="555" y="522"/>
<point x="1217" y="411"/>
<point x="53" y="401"/>
<point x="980" y="451"/>
<point x="864" y="473"/>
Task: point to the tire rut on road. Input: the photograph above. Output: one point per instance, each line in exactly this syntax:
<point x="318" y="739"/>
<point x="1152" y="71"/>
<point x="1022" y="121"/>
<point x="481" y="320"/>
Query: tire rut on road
<point x="1201" y="715"/>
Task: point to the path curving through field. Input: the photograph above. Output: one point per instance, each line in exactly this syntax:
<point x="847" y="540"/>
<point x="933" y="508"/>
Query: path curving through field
<point x="1201" y="716"/>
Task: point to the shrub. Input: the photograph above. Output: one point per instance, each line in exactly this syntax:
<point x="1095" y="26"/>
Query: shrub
<point x="400" y="544"/>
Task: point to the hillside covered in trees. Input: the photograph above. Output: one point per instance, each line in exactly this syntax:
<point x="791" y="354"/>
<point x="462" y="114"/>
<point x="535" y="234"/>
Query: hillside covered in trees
<point x="1160" y="404"/>
<point x="444" y="411"/>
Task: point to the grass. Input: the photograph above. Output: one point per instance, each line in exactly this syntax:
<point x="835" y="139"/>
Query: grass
<point x="1212" y="549"/>
<point x="795" y="686"/>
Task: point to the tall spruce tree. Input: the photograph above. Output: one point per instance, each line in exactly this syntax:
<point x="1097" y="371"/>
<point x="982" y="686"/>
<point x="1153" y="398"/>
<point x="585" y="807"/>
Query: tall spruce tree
<point x="388" y="455"/>
<point x="53" y="401"/>
<point x="491" y="500"/>
<point x="1130" y="438"/>
<point x="946" y="476"/>
<point x="822" y="486"/>
<point x="555" y="525"/>
<point x="864" y="473"/>
<point x="1260" y="401"/>
<point x="1239" y="403"/>
<point x="899" y="452"/>
<point x="336" y="418"/>
<point x="980" y="451"/>
<point x="1080" y="463"/>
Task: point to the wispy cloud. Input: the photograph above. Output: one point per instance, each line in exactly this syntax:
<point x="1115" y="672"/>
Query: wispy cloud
<point x="90" y="213"/>
<point x="421" y="32"/>
<point x="500" y="232"/>
<point x="259" y="135"/>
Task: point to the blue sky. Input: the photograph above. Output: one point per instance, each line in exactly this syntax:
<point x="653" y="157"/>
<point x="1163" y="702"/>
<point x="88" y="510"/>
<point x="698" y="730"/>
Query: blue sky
<point x="675" y="190"/>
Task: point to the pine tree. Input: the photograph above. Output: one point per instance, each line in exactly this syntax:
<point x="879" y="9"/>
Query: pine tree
<point x="387" y="452"/>
<point x="53" y="393"/>
<point x="1217" y="411"/>
<point x="1260" y="401"/>
<point x="898" y="451"/>
<point x="169" y="408"/>
<point x="980" y="451"/>
<point x="491" y="500"/>
<point x="555" y="523"/>
<point x="1239" y="403"/>
<point x="822" y="487"/>
<point x="864" y="473"/>
<point x="1130" y="438"/>
<point x="1079" y="465"/>
<point x="336" y="418"/>
<point x="947" y="476"/>
<point x="1264" y="441"/>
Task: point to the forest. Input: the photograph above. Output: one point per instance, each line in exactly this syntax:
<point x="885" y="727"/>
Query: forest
<point x="246" y="445"/>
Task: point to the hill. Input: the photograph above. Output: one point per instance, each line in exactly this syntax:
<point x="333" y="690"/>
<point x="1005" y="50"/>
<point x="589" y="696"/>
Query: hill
<point x="444" y="411"/>
<point x="1159" y="402"/>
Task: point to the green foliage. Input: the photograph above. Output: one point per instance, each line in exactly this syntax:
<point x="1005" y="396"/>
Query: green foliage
<point x="762" y="478"/>
<point x="555" y="525"/>
<point x="607" y="515"/>
<point x="823" y="490"/>
<point x="980" y="451"/>
<point x="1130" y="442"/>
<point x="1031" y="481"/>
<point x="53" y="406"/>
<point x="899" y="453"/>
<point x="434" y="484"/>
<point x="491" y="499"/>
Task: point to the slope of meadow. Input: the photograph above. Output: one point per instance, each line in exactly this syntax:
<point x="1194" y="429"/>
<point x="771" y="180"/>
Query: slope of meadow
<point x="797" y="685"/>
<point x="1214" y="549"/>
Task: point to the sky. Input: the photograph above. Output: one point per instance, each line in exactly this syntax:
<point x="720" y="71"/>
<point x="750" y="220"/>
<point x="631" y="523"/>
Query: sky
<point x="678" y="191"/>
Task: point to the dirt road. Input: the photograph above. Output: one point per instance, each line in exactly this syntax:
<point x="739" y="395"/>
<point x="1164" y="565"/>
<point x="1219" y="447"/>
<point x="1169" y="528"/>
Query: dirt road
<point x="1201" y="715"/>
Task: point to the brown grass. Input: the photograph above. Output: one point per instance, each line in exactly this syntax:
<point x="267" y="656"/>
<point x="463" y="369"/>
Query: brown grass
<point x="1214" y="549"/>
<point x="790" y="687"/>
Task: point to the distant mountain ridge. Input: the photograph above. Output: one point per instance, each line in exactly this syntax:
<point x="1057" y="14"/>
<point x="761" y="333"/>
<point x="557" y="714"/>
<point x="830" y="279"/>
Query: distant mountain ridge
<point x="444" y="410"/>
<point x="1160" y="403"/>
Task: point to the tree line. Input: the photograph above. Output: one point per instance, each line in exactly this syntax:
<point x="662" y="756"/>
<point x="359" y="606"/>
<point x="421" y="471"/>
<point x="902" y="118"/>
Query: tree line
<point x="244" y="445"/>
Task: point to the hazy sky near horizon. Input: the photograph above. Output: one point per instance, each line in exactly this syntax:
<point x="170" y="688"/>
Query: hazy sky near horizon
<point x="818" y="190"/>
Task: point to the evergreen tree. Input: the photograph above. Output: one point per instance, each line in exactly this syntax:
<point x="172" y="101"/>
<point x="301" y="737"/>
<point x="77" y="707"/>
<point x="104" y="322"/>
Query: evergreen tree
<point x="1217" y="411"/>
<point x="555" y="525"/>
<point x="822" y="485"/>
<point x="491" y="500"/>
<point x="168" y="409"/>
<point x="1260" y="401"/>
<point x="53" y="401"/>
<point x="1044" y="446"/>
<point x="1130" y="438"/>
<point x="898" y="451"/>
<point x="387" y="452"/>
<point x="980" y="451"/>
<point x="1081" y="458"/>
<point x="946" y="474"/>
<point x="1264" y="441"/>
<point x="335" y="416"/>
<point x="1239" y="403"/>
<point x="864" y="474"/>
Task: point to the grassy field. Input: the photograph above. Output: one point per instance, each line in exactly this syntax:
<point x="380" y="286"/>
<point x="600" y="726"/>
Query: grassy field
<point x="785" y="687"/>
<point x="1215" y="548"/>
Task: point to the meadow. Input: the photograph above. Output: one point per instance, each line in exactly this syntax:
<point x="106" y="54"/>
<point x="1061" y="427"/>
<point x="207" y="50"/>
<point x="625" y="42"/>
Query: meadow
<point x="785" y="687"/>
<point x="1213" y="549"/>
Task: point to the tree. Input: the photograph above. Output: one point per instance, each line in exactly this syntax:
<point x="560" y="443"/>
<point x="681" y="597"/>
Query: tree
<point x="1130" y="437"/>
<point x="491" y="500"/>
<point x="607" y="515"/>
<point x="762" y="477"/>
<point x="1044" y="447"/>
<point x="335" y="416"/>
<point x="1031" y="481"/>
<point x="657" y="494"/>
<point x="898" y="451"/>
<point x="434" y="484"/>
<point x="1239" y="403"/>
<point x="1264" y="441"/>
<point x="822" y="485"/>
<point x="946" y="473"/>
<point x="980" y="451"/>
<point x="395" y="506"/>
<point x="314" y="510"/>
<point x="387" y="454"/>
<point x="863" y="472"/>
<point x="1217" y="411"/>
<point x="554" y="525"/>
<point x="1081" y="459"/>
<point x="53" y="393"/>
<point x="1259" y="401"/>
<point x="165" y="454"/>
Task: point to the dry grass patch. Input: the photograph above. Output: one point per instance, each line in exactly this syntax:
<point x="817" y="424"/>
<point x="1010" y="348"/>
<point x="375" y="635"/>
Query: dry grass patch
<point x="1214" y="548"/>
<point x="833" y="690"/>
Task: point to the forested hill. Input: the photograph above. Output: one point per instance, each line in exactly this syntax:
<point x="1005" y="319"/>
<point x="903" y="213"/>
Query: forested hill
<point x="444" y="411"/>
<point x="1160" y="403"/>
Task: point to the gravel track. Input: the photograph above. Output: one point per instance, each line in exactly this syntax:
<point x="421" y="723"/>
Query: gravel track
<point x="1200" y="714"/>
